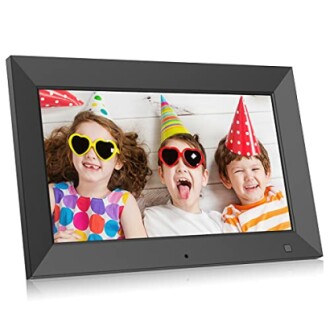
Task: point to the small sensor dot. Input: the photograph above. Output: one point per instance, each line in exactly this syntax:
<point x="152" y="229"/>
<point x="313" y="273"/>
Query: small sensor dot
<point x="287" y="248"/>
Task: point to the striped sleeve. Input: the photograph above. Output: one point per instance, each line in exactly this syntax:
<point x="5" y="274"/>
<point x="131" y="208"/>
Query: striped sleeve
<point x="270" y="216"/>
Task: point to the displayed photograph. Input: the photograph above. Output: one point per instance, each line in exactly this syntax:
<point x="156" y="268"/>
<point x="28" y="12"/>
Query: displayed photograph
<point x="133" y="165"/>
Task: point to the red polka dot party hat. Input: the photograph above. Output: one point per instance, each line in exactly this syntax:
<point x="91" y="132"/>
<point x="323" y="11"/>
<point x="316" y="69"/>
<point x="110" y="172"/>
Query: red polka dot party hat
<point x="50" y="98"/>
<point x="241" y="139"/>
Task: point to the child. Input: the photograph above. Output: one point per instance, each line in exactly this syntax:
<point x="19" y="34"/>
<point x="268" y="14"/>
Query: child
<point x="244" y="166"/>
<point x="182" y="168"/>
<point x="95" y="169"/>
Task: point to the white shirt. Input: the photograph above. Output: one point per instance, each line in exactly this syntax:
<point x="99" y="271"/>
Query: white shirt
<point x="169" y="220"/>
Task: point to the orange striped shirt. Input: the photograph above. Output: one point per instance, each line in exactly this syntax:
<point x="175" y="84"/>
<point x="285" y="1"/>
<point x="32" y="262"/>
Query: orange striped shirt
<point x="269" y="214"/>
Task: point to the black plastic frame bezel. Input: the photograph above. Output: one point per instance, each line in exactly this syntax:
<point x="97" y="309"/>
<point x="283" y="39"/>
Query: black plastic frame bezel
<point x="43" y="258"/>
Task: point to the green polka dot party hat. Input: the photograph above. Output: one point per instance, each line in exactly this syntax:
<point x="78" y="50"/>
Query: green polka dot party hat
<point x="96" y="104"/>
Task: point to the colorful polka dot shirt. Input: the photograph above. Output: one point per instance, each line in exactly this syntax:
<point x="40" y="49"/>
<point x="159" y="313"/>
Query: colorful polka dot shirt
<point x="92" y="219"/>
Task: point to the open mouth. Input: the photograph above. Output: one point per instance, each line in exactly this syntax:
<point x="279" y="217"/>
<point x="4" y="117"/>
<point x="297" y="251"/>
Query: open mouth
<point x="90" y="166"/>
<point x="184" y="187"/>
<point x="251" y="187"/>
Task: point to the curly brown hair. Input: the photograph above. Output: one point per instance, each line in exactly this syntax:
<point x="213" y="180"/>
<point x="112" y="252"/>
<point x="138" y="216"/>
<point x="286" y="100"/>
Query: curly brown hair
<point x="135" y="170"/>
<point x="223" y="156"/>
<point x="191" y="140"/>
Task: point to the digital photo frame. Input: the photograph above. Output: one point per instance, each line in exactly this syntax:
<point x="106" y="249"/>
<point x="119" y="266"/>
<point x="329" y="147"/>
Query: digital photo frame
<point x="43" y="258"/>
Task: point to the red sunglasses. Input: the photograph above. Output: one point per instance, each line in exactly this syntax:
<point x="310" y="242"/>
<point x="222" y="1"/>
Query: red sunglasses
<point x="192" y="157"/>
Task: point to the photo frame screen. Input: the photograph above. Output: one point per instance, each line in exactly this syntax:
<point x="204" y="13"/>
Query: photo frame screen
<point x="239" y="188"/>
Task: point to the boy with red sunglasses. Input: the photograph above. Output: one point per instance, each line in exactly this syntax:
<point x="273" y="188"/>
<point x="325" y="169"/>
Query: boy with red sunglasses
<point x="182" y="168"/>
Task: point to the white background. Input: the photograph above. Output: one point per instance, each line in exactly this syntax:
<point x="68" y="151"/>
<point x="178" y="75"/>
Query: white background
<point x="273" y="295"/>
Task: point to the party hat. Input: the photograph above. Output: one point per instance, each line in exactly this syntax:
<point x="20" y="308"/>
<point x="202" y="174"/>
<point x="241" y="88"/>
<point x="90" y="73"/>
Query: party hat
<point x="170" y="122"/>
<point x="96" y="105"/>
<point x="241" y="139"/>
<point x="50" y="98"/>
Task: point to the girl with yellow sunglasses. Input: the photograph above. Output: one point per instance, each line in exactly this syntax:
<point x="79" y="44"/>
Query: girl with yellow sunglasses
<point x="95" y="172"/>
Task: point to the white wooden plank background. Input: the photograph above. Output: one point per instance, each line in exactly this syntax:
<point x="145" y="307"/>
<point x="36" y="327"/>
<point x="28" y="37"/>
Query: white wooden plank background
<point x="208" y="115"/>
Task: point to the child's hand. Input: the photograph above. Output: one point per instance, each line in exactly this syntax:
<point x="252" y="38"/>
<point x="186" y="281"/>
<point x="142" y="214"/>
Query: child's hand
<point x="273" y="191"/>
<point x="66" y="236"/>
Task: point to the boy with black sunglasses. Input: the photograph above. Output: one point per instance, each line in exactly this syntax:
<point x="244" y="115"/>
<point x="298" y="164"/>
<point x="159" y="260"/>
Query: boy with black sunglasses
<point x="182" y="168"/>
